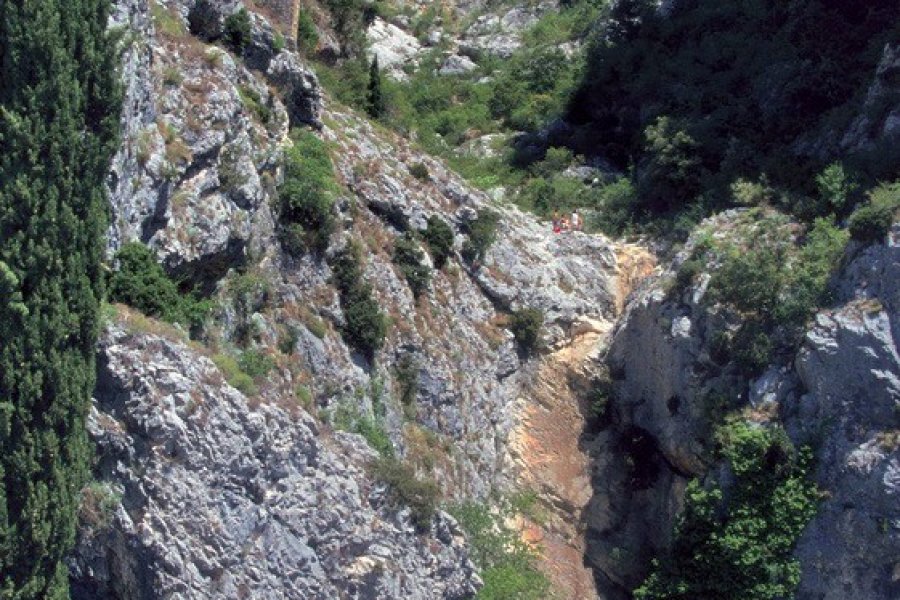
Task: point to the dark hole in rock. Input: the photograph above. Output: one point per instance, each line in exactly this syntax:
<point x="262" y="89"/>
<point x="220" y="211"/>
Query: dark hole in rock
<point x="642" y="457"/>
<point x="673" y="404"/>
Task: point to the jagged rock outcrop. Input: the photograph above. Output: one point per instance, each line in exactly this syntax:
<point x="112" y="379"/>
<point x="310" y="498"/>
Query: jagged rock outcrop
<point x="224" y="499"/>
<point x="499" y="34"/>
<point x="840" y="396"/>
<point x="196" y="178"/>
<point x="848" y="404"/>
<point x="201" y="139"/>
<point x="395" y="48"/>
<point x="879" y="123"/>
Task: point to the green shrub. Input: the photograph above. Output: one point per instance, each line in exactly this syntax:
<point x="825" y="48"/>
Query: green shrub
<point x="279" y="42"/>
<point x="613" y="207"/>
<point x="834" y="186"/>
<point x="751" y="193"/>
<point x="749" y="279"/>
<point x="287" y="340"/>
<point x="506" y="563"/>
<point x="256" y="364"/>
<point x="409" y="257"/>
<point x="347" y="417"/>
<point x="751" y="348"/>
<point x="808" y="285"/>
<point x="526" y="326"/>
<point x="237" y="32"/>
<point x="305" y="198"/>
<point x="673" y="171"/>
<point x="142" y="283"/>
<point x="307" y="35"/>
<point x="233" y="374"/>
<point x="555" y="161"/>
<point x="775" y="284"/>
<point x="407" y="374"/>
<point x="870" y="222"/>
<point x="687" y="273"/>
<point x="406" y="488"/>
<point x="482" y="233"/>
<point x="251" y="99"/>
<point x="420" y="171"/>
<point x="99" y="501"/>
<point x="738" y="542"/>
<point x="439" y="237"/>
<point x="365" y="326"/>
<point x="304" y="396"/>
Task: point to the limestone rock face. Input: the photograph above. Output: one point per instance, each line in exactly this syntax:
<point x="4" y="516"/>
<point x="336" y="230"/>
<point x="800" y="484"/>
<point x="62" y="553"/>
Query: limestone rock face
<point x="225" y="496"/>
<point x="500" y="34"/>
<point x="221" y="499"/>
<point x="457" y="65"/>
<point x="880" y="121"/>
<point x="213" y="494"/>
<point x="850" y="368"/>
<point x="840" y="396"/>
<point x="300" y="86"/>
<point x="201" y="136"/>
<point x="394" y="47"/>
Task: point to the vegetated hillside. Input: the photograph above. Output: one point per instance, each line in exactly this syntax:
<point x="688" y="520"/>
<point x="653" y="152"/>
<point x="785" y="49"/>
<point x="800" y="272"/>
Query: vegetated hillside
<point x="332" y="367"/>
<point x="697" y="95"/>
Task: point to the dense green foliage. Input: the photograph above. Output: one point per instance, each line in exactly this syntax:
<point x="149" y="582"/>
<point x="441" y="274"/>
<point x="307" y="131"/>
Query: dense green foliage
<point x="236" y="33"/>
<point x="306" y="197"/>
<point x="506" y="563"/>
<point x="692" y="97"/>
<point x="526" y="326"/>
<point x="59" y="119"/>
<point x="141" y="282"/>
<point x="245" y="370"/>
<point x="871" y="221"/>
<point x="420" y="495"/>
<point x="443" y="112"/>
<point x="482" y="233"/>
<point x="773" y="281"/>
<point x="737" y="542"/>
<point x="349" y="18"/>
<point x="365" y="326"/>
<point x="410" y="258"/>
<point x="439" y="237"/>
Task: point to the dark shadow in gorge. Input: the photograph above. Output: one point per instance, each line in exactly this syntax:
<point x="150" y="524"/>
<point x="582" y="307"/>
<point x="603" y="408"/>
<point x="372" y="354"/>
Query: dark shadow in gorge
<point x="632" y="510"/>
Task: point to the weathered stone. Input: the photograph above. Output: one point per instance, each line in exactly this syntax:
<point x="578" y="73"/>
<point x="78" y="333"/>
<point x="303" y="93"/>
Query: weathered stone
<point x="300" y="86"/>
<point x="218" y="496"/>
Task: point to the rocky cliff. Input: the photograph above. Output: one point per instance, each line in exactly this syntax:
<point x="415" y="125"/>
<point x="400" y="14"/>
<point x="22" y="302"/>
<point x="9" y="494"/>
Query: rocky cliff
<point x="838" y="394"/>
<point x="209" y="492"/>
<point x="204" y="491"/>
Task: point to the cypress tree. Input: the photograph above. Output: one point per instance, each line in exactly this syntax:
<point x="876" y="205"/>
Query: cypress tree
<point x="375" y="105"/>
<point x="58" y="120"/>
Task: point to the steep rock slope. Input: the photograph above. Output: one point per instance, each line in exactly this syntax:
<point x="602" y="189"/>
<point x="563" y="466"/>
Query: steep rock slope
<point x="839" y="395"/>
<point x="205" y="492"/>
<point x="223" y="498"/>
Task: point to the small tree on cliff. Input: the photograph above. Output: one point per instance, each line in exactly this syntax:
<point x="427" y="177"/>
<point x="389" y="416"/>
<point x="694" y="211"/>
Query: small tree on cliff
<point x="375" y="104"/>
